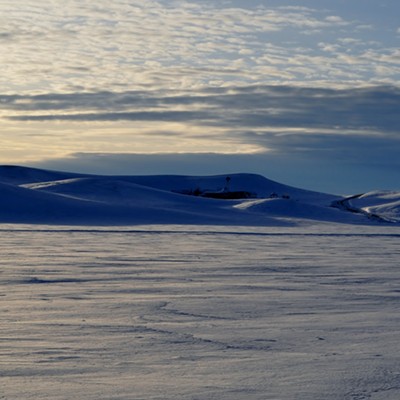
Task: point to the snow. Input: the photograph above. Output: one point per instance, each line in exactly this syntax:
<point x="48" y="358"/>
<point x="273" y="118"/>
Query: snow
<point x="383" y="203"/>
<point x="189" y="312"/>
<point x="31" y="195"/>
<point x="122" y="287"/>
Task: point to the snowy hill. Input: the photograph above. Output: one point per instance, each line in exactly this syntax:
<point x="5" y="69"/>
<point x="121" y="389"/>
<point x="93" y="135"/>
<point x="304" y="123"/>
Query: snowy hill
<point x="30" y="195"/>
<point x="383" y="205"/>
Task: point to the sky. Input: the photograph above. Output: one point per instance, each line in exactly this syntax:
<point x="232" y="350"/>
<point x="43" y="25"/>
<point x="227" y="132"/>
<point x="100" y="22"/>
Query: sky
<point x="303" y="92"/>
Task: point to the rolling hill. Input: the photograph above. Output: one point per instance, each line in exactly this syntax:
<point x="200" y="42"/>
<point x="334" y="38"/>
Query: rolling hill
<point x="30" y="195"/>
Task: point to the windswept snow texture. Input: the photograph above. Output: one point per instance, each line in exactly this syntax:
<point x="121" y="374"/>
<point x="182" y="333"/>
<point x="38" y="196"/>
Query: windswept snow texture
<point x="31" y="195"/>
<point x="172" y="312"/>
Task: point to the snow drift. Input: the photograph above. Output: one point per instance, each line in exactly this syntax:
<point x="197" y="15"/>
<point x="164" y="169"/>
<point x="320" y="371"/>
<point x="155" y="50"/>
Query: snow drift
<point x="30" y="195"/>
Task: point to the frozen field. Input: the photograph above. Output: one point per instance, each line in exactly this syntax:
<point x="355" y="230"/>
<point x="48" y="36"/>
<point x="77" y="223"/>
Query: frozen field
<point x="168" y="312"/>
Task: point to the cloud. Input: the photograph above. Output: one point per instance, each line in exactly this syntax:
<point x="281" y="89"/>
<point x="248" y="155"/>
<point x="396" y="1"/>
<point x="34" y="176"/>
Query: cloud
<point x="369" y="110"/>
<point x="159" y="116"/>
<point x="108" y="45"/>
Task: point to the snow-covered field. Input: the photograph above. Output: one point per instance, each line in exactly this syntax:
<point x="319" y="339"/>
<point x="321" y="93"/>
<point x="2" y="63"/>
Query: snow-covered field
<point x="309" y="312"/>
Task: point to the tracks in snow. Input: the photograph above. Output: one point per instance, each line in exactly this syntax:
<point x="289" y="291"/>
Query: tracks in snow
<point x="345" y="205"/>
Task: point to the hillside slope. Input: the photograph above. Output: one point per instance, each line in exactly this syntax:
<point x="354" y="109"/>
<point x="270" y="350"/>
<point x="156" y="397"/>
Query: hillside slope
<point x="30" y="195"/>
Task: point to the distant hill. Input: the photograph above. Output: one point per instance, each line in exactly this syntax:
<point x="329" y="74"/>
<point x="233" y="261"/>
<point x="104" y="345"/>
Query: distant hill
<point x="30" y="195"/>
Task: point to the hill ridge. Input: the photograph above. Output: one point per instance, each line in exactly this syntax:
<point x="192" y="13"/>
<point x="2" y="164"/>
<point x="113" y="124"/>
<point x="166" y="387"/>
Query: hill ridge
<point x="32" y="195"/>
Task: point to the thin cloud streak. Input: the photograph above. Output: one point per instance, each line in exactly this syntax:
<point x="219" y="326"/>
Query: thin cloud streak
<point x="373" y="109"/>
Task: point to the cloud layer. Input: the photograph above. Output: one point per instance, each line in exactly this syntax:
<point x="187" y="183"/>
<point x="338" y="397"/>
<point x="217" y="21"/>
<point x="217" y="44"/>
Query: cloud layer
<point x="57" y="46"/>
<point x="267" y="109"/>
